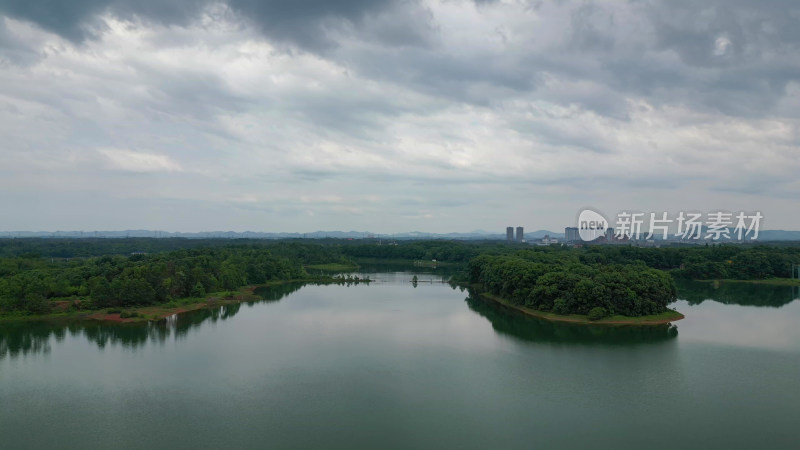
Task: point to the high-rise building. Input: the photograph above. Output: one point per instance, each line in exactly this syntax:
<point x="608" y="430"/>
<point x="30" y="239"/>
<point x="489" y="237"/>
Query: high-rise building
<point x="571" y="234"/>
<point x="609" y="234"/>
<point x="520" y="235"/>
<point x="510" y="234"/>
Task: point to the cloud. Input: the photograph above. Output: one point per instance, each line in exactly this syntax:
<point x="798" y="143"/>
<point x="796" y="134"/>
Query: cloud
<point x="305" y="23"/>
<point x="133" y="161"/>
<point x="467" y="113"/>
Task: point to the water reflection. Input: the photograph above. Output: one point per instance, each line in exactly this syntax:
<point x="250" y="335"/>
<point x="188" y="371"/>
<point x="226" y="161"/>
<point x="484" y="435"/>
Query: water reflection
<point x="31" y="337"/>
<point x="35" y="337"/>
<point x="277" y="292"/>
<point x="512" y="323"/>
<point x="384" y="270"/>
<point x="745" y="294"/>
<point x="23" y="338"/>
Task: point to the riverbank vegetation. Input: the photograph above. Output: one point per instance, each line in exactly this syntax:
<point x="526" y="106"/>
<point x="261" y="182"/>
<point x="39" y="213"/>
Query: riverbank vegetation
<point x="559" y="283"/>
<point x="599" y="318"/>
<point x="86" y="309"/>
<point x="38" y="275"/>
<point x="334" y="267"/>
<point x="32" y="284"/>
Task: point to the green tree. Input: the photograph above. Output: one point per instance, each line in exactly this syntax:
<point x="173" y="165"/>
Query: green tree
<point x="198" y="290"/>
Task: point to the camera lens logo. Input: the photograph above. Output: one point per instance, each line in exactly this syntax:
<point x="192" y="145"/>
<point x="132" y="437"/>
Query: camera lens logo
<point x="591" y="225"/>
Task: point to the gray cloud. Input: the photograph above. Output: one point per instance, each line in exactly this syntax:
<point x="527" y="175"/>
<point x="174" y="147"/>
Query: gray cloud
<point x="446" y="111"/>
<point x="732" y="56"/>
<point x="304" y="23"/>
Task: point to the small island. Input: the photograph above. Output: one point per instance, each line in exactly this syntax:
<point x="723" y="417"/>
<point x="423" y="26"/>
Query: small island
<point x="667" y="316"/>
<point x="556" y="287"/>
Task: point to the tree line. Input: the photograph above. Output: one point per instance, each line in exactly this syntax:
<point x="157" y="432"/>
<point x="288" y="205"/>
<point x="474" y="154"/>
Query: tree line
<point x="27" y="284"/>
<point x="560" y="284"/>
<point x="143" y="271"/>
<point x="731" y="261"/>
<point x="726" y="261"/>
<point x="440" y="250"/>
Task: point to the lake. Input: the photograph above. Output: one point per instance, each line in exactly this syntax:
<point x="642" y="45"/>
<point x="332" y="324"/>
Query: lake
<point x="393" y="365"/>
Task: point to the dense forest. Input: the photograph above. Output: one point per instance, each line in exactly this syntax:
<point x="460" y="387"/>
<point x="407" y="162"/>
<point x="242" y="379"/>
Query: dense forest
<point x="742" y="262"/>
<point x="88" y="247"/>
<point x="560" y="283"/>
<point x="27" y="283"/>
<point x="141" y="271"/>
<point x="451" y="251"/>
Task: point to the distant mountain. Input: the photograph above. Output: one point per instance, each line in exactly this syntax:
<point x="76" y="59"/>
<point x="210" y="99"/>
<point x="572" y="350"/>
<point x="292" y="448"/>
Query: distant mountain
<point x="764" y="235"/>
<point x="538" y="234"/>
<point x="479" y="234"/>
<point x="199" y="235"/>
<point x="778" y="235"/>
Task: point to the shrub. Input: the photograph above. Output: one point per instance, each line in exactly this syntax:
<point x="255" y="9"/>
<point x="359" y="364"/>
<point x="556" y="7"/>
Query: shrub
<point x="560" y="306"/>
<point x="597" y="313"/>
<point x="113" y="311"/>
<point x="37" y="304"/>
<point x="198" y="290"/>
<point x="128" y="315"/>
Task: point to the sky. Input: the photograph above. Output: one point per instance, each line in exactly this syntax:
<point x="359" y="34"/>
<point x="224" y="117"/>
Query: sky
<point x="394" y="115"/>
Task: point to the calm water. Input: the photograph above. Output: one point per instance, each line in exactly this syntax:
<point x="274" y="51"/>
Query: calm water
<point x="392" y="365"/>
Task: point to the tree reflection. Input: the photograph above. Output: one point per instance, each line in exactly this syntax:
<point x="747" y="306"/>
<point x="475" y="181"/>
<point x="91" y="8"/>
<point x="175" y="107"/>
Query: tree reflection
<point x="35" y="337"/>
<point x="745" y="294"/>
<point x="23" y="338"/>
<point x="512" y="323"/>
<point x="277" y="292"/>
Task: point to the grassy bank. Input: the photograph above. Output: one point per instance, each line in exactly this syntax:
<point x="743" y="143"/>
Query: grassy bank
<point x="665" y="317"/>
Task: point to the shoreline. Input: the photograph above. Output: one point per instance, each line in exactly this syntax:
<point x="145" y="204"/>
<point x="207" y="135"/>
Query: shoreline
<point x="766" y="281"/>
<point x="143" y="313"/>
<point x="161" y="311"/>
<point x="666" y="317"/>
<point x="246" y="293"/>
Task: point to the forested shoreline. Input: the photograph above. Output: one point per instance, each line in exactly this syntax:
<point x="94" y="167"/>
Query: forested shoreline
<point x="112" y="273"/>
<point x="561" y="284"/>
<point x="28" y="283"/>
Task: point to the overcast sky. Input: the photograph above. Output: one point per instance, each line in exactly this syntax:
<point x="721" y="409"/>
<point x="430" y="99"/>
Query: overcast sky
<point x="392" y="116"/>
